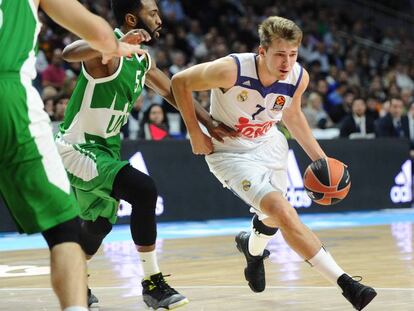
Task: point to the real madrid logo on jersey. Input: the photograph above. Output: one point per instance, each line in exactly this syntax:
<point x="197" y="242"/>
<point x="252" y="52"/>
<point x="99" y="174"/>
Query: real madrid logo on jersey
<point x="242" y="96"/>
<point x="279" y="103"/>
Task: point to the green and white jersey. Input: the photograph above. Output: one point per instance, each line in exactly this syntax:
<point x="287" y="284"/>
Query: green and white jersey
<point x="99" y="107"/>
<point x="19" y="28"/>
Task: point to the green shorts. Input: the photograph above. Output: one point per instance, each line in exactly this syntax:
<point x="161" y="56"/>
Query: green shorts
<point x="92" y="171"/>
<point x="33" y="181"/>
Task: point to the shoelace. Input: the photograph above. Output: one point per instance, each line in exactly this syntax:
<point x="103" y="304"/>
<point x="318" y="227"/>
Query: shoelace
<point x="162" y="284"/>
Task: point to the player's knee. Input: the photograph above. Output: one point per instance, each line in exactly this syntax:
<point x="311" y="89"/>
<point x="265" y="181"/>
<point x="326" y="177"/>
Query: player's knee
<point x="147" y="190"/>
<point x="68" y="231"/>
<point x="93" y="233"/>
<point x="283" y="214"/>
<point x="98" y="228"/>
<point x="135" y="187"/>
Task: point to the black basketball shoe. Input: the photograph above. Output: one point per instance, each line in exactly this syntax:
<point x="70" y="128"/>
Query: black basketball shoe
<point x="254" y="271"/>
<point x="157" y="294"/>
<point x="359" y="295"/>
<point x="91" y="298"/>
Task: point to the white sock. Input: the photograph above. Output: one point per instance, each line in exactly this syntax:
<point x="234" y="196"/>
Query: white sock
<point x="258" y="242"/>
<point x="75" y="308"/>
<point x="326" y="266"/>
<point x="149" y="263"/>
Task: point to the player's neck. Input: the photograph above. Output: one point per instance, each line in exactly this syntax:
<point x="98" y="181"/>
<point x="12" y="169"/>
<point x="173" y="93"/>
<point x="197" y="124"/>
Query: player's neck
<point x="125" y="29"/>
<point x="265" y="77"/>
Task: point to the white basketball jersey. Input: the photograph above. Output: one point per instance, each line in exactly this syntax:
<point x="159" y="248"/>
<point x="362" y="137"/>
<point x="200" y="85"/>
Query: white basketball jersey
<point x="249" y="107"/>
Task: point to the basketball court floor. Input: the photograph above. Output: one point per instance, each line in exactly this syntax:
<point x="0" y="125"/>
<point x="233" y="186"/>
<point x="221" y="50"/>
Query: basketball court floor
<point x="205" y="266"/>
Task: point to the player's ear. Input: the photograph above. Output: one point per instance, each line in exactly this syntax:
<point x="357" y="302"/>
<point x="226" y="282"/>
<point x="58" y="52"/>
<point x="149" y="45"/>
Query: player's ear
<point x="262" y="50"/>
<point x="131" y="20"/>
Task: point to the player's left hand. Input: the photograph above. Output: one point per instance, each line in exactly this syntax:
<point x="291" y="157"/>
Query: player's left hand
<point x="123" y="49"/>
<point x="136" y="36"/>
<point x="218" y="131"/>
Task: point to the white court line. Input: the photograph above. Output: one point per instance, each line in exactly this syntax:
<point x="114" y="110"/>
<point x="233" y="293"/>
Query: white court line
<point x="208" y="287"/>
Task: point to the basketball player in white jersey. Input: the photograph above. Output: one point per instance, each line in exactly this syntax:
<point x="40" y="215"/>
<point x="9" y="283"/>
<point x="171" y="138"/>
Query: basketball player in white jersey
<point x="251" y="93"/>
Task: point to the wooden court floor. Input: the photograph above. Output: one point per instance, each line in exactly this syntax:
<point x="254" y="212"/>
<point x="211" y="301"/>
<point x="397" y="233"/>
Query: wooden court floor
<point x="209" y="271"/>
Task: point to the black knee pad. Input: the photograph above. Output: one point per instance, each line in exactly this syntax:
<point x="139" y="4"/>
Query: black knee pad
<point x="93" y="233"/>
<point x="68" y="231"/>
<point x="135" y="187"/>
<point x="99" y="228"/>
<point x="260" y="227"/>
<point x="140" y="191"/>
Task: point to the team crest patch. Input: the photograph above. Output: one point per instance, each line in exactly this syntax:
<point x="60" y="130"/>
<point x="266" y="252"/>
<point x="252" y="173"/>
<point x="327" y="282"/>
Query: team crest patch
<point x="242" y="97"/>
<point x="246" y="185"/>
<point x="279" y="103"/>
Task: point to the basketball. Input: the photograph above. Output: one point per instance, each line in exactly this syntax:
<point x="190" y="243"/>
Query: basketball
<point x="327" y="181"/>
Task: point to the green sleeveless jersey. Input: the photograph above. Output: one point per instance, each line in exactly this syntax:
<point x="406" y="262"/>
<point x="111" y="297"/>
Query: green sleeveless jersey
<point x="99" y="107"/>
<point x="19" y="27"/>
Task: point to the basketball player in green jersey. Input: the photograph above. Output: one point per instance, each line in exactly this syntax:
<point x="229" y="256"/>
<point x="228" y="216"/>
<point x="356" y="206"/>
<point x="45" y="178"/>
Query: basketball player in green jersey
<point x="89" y="143"/>
<point x="33" y="182"/>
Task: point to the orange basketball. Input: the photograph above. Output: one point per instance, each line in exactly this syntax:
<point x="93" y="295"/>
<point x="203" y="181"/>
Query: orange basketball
<point x="327" y="181"/>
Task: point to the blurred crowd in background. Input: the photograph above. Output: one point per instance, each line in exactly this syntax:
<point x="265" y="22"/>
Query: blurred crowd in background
<point x="356" y="52"/>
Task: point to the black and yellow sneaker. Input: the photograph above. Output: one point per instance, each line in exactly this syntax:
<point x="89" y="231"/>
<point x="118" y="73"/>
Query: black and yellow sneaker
<point x="157" y="294"/>
<point x="359" y="295"/>
<point x="254" y="271"/>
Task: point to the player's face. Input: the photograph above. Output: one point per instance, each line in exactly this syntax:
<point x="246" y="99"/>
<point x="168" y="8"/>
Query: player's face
<point x="280" y="57"/>
<point x="149" y="16"/>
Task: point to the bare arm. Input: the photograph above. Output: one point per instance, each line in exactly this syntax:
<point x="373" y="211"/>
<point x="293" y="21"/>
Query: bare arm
<point x="161" y="84"/>
<point x="221" y="73"/>
<point x="75" y="17"/>
<point x="297" y="125"/>
<point x="80" y="51"/>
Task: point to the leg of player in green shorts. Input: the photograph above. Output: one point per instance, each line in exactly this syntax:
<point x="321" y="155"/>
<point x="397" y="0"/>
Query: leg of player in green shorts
<point x="100" y="181"/>
<point x="36" y="189"/>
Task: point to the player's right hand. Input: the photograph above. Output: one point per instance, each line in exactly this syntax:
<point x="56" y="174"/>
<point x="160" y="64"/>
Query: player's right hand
<point x="124" y="49"/>
<point x="201" y="143"/>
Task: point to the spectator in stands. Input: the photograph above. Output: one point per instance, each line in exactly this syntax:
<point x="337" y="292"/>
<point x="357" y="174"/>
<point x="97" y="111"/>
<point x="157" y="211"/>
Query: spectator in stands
<point x="178" y="64"/>
<point x="407" y="98"/>
<point x="154" y="124"/>
<point x="357" y="121"/>
<point x="314" y="112"/>
<point x="373" y="107"/>
<point x="353" y="77"/>
<point x="54" y="75"/>
<point x="203" y="98"/>
<point x="394" y="123"/>
<point x="50" y="108"/>
<point x="340" y="103"/>
<point x="60" y="108"/>
<point x="410" y="116"/>
<point x="172" y="10"/>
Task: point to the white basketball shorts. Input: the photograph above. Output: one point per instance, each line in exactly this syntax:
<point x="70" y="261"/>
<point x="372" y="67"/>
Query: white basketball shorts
<point x="253" y="174"/>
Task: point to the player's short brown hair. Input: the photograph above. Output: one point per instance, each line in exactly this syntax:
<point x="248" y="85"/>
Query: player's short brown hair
<point x="276" y="27"/>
